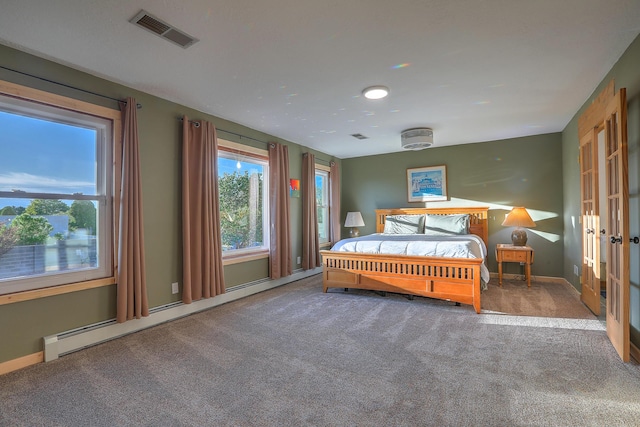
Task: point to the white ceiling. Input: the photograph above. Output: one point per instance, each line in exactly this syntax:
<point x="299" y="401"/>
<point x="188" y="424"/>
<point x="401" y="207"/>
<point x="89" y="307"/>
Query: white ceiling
<point x="475" y="70"/>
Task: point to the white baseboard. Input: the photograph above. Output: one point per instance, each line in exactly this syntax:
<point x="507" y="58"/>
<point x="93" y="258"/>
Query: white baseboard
<point x="70" y="341"/>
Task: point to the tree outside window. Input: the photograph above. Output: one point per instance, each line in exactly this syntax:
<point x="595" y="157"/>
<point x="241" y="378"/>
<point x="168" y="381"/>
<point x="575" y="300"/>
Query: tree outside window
<point x="242" y="184"/>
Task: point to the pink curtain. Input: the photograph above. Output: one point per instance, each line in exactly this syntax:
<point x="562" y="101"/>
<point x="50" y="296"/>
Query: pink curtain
<point x="203" y="275"/>
<point x="280" y="240"/>
<point x="132" y="279"/>
<point x="310" y="239"/>
<point x="334" y="225"/>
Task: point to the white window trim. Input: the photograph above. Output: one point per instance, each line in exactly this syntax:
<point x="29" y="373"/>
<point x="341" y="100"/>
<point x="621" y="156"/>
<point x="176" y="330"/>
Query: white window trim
<point x="247" y="254"/>
<point x="327" y="171"/>
<point x="112" y="143"/>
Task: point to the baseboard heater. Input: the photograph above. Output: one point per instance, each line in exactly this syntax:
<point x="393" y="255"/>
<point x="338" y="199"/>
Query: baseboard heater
<point x="69" y="341"/>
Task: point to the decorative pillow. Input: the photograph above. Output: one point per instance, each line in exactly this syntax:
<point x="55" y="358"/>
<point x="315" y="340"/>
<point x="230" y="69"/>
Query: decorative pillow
<point x="438" y="225"/>
<point x="403" y="224"/>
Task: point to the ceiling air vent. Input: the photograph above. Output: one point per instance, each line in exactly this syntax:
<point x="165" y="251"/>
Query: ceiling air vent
<point x="416" y="138"/>
<point x="150" y="23"/>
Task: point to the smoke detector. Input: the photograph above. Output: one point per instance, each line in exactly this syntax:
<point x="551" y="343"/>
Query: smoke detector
<point x="416" y="138"/>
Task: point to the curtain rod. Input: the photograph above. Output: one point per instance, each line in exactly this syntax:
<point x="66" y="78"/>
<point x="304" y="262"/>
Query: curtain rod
<point x="318" y="160"/>
<point x="138" y="105"/>
<point x="197" y="124"/>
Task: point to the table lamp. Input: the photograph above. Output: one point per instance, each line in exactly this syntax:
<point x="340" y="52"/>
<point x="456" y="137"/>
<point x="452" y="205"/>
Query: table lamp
<point x="354" y="220"/>
<point x="518" y="217"/>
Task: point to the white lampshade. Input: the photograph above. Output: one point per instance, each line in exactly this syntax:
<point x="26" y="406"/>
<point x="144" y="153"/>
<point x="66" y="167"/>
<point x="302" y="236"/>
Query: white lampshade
<point x="518" y="217"/>
<point x="354" y="219"/>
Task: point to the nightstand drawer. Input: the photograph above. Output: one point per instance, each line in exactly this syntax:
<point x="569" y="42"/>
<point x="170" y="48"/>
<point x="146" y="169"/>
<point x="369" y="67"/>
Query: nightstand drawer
<point x="517" y="256"/>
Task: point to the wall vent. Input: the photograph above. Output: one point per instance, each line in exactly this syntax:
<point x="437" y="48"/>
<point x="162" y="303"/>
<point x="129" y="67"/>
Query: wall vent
<point x="145" y="20"/>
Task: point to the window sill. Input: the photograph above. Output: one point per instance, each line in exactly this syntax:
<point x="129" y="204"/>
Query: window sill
<point x="55" y="290"/>
<point x="240" y="258"/>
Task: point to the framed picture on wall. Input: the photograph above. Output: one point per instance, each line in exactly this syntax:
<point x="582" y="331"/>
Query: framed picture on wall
<point x="294" y="188"/>
<point x="427" y="184"/>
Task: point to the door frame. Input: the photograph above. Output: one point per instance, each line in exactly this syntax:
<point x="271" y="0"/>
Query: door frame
<point x="590" y="122"/>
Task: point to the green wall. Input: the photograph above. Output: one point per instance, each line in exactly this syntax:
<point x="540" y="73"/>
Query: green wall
<point x="24" y="324"/>
<point x="626" y="73"/>
<point x="538" y="172"/>
<point x="499" y="174"/>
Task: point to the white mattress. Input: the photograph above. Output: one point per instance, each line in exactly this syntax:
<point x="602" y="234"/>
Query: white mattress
<point x="455" y="246"/>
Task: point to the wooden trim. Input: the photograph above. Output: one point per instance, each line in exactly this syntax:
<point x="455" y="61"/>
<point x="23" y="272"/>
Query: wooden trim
<point x="56" y="290"/>
<point x="21" y="362"/>
<point x="549" y="279"/>
<point x="323" y="167"/>
<point x="42" y="97"/>
<point x="593" y="116"/>
<point x="241" y="148"/>
<point x="237" y="259"/>
<point x="634" y="351"/>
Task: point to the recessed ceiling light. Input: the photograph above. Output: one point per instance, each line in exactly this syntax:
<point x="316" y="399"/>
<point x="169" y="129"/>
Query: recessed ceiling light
<point x="376" y="92"/>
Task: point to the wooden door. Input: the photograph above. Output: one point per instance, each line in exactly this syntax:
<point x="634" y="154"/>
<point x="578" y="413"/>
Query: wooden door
<point x="617" y="224"/>
<point x="590" y="221"/>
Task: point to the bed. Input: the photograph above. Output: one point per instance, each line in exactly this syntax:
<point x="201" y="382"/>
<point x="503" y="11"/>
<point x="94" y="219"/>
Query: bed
<point x="447" y="278"/>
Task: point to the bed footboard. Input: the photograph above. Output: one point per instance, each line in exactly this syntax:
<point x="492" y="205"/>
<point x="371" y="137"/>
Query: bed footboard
<point x="452" y="279"/>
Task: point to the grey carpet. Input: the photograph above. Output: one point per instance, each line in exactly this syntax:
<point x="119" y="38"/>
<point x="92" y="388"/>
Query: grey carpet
<point x="296" y="356"/>
<point x="544" y="299"/>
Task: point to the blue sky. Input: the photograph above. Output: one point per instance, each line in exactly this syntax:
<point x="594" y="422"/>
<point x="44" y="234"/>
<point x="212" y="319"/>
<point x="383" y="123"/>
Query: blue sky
<point x="229" y="166"/>
<point x="43" y="156"/>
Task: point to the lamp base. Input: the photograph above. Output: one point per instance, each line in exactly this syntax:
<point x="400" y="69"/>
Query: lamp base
<point x="354" y="232"/>
<point x="519" y="237"/>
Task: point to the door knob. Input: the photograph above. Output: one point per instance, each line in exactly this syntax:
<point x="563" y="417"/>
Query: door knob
<point x="603" y="231"/>
<point x="635" y="240"/>
<point x="615" y="239"/>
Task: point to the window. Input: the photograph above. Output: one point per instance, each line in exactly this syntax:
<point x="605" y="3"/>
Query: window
<point x="243" y="186"/>
<point x="55" y="195"/>
<point x="322" y="203"/>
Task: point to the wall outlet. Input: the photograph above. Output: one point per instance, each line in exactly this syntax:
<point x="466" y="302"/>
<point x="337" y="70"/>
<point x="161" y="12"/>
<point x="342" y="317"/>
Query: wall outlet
<point x="575" y="270"/>
<point x="299" y="260"/>
<point x="174" y="288"/>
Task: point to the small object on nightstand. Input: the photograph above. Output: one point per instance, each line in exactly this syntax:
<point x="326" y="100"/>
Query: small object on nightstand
<point x="354" y="220"/>
<point x="518" y="218"/>
<point x="512" y="253"/>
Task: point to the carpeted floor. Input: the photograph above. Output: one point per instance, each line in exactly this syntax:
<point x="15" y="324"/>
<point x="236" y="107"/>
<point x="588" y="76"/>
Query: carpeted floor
<point x="296" y="356"/>
<point x="543" y="299"/>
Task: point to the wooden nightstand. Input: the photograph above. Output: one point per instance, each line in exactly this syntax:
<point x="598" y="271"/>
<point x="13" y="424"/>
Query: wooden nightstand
<point x="510" y="253"/>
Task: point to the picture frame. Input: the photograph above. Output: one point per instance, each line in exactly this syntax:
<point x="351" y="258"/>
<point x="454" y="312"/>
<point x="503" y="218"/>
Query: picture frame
<point x="427" y="184"/>
<point x="294" y="188"/>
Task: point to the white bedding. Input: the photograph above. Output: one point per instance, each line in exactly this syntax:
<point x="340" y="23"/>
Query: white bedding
<point x="455" y="246"/>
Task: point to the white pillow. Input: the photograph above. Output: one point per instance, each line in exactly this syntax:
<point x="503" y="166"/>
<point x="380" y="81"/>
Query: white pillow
<point x="403" y="224"/>
<point x="439" y="225"/>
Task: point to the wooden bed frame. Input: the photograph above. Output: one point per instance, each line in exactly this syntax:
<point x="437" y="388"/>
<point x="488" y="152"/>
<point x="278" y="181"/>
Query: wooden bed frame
<point x="451" y="279"/>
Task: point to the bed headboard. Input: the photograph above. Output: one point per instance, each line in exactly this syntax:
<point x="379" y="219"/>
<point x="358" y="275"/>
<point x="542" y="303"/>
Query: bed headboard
<point x="478" y="217"/>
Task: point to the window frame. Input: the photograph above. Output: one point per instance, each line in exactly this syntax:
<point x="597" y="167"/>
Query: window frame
<point x="110" y="155"/>
<point x="325" y="171"/>
<point x="261" y="156"/>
